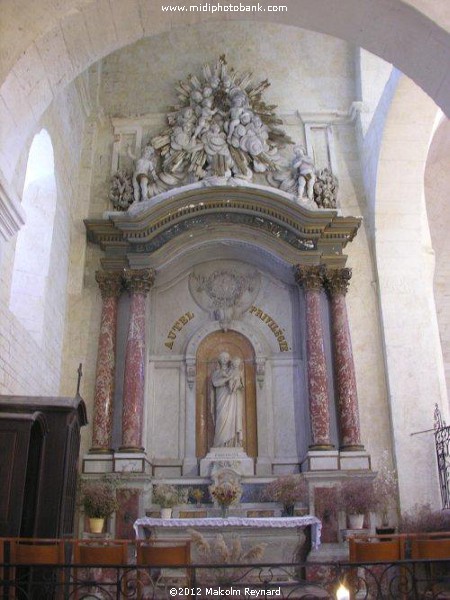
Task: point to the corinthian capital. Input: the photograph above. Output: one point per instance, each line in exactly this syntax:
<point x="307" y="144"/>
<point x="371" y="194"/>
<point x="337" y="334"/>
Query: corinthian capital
<point x="310" y="278"/>
<point x="139" y="281"/>
<point x="337" y="280"/>
<point x="110" y="283"/>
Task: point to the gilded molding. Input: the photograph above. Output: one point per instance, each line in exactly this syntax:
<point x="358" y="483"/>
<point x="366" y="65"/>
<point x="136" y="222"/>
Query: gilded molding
<point x="138" y="281"/>
<point x="310" y="278"/>
<point x="337" y="280"/>
<point x="110" y="283"/>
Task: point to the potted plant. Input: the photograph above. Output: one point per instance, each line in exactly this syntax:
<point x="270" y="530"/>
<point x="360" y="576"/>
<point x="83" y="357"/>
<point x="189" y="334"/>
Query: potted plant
<point x="385" y="488"/>
<point x="167" y="496"/>
<point x="288" y="489"/>
<point x="357" y="497"/>
<point x="98" y="501"/>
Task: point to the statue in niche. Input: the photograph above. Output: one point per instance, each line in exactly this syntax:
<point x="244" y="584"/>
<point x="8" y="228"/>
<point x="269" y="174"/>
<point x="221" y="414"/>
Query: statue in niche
<point x="227" y="402"/>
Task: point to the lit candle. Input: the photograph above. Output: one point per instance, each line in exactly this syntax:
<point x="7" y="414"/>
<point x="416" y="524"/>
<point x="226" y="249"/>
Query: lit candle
<point x="342" y="593"/>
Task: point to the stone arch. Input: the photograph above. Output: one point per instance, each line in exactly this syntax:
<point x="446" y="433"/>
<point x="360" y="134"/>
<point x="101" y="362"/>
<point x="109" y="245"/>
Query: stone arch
<point x="261" y="348"/>
<point x="78" y="38"/>
<point x="405" y="268"/>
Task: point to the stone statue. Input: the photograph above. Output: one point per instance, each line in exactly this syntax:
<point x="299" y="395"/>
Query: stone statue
<point x="305" y="172"/>
<point x="143" y="170"/>
<point x="227" y="401"/>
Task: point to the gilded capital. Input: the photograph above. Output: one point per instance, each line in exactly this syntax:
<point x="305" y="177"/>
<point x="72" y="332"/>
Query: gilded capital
<point x="310" y="278"/>
<point x="138" y="281"/>
<point x="337" y="280"/>
<point x="110" y="283"/>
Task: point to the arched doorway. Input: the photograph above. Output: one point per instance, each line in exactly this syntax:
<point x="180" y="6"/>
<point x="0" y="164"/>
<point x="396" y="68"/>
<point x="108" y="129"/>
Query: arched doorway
<point x="237" y="345"/>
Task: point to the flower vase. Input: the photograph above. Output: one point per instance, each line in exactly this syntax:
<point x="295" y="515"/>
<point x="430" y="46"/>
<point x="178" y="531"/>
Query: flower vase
<point x="96" y="524"/>
<point x="356" y="521"/>
<point x="166" y="513"/>
<point x="224" y="511"/>
<point x="288" y="510"/>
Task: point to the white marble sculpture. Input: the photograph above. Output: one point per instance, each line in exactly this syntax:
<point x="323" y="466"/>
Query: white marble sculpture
<point x="144" y="170"/>
<point x="303" y="166"/>
<point x="227" y="401"/>
<point x="222" y="132"/>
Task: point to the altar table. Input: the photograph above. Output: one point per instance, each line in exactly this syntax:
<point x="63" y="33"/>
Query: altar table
<point x="278" y="530"/>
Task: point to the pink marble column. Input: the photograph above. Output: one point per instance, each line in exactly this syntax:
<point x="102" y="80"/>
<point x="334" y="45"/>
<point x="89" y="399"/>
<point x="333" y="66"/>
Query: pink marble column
<point x="310" y="279"/>
<point x="138" y="283"/>
<point x="110" y="284"/>
<point x="337" y="282"/>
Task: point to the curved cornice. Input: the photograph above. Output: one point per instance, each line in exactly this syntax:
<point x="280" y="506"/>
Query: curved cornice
<point x="278" y="224"/>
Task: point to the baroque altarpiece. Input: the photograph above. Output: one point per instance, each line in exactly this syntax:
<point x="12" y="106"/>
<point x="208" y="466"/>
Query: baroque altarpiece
<point x="224" y="337"/>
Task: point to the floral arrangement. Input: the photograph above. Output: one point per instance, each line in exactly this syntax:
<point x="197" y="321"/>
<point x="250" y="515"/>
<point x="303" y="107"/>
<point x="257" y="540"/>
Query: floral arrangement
<point x="287" y="489"/>
<point x="168" y="496"/>
<point x="218" y="552"/>
<point x="423" y="519"/>
<point x="226" y="493"/>
<point x="98" y="498"/>
<point x="385" y="488"/>
<point x="357" y="496"/>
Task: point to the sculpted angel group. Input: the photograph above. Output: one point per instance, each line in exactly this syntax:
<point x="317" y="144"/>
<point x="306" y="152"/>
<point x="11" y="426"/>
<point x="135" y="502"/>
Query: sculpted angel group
<point x="221" y="128"/>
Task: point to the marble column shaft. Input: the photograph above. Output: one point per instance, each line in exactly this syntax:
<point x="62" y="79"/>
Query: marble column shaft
<point x="138" y="283"/>
<point x="337" y="282"/>
<point x="310" y="278"/>
<point x="110" y="284"/>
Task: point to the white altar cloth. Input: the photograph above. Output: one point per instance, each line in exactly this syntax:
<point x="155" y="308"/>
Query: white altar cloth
<point x="265" y="522"/>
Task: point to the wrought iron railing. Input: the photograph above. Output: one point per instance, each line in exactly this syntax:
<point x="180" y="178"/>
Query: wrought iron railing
<point x="442" y="441"/>
<point x="402" y="580"/>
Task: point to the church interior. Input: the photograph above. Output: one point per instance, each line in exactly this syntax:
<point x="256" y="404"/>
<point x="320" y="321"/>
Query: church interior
<point x="223" y="242"/>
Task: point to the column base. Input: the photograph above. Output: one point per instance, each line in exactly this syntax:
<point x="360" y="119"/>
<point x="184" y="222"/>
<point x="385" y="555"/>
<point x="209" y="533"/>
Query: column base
<point x="98" y="462"/>
<point x="321" y="460"/>
<point x="132" y="449"/>
<point x="352" y="448"/>
<point x="321" y="447"/>
<point x="131" y="462"/>
<point x="95" y="450"/>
